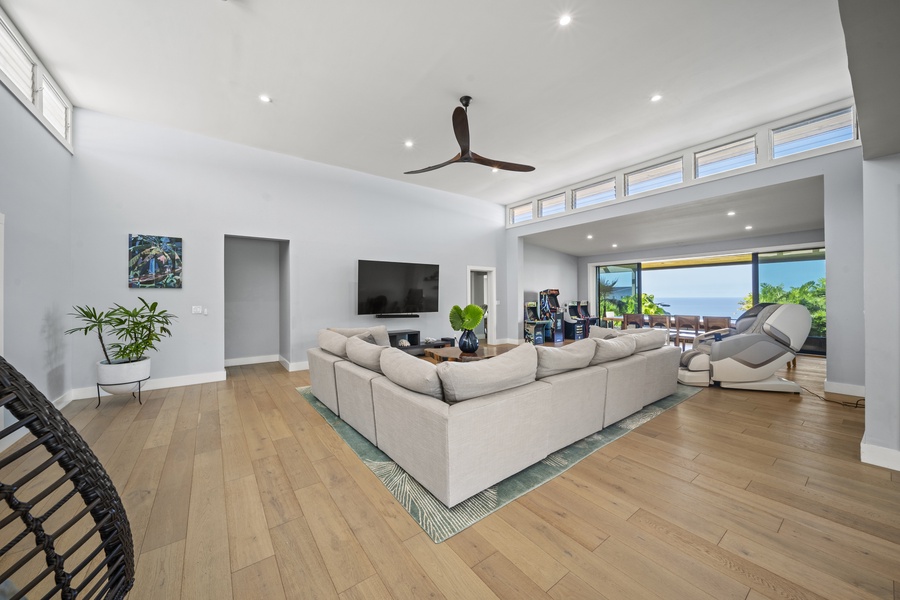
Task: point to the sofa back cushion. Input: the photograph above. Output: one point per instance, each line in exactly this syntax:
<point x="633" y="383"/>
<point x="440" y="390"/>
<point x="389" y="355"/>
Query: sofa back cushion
<point x="411" y="373"/>
<point x="553" y="361"/>
<point x="379" y="332"/>
<point x="464" y="380"/>
<point x="333" y="342"/>
<point x="647" y="339"/>
<point x="613" y="349"/>
<point x="602" y="333"/>
<point x="364" y="352"/>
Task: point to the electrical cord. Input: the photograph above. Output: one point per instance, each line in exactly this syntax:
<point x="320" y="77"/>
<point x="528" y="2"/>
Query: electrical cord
<point x="859" y="403"/>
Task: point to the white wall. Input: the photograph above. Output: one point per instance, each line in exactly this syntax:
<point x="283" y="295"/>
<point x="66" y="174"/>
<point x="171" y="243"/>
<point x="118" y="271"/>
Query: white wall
<point x="881" y="186"/>
<point x="548" y="269"/>
<point x="132" y="177"/>
<point x="252" y="298"/>
<point x="40" y="265"/>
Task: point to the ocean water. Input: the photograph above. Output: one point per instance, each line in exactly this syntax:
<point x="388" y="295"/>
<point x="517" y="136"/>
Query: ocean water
<point x="704" y="307"/>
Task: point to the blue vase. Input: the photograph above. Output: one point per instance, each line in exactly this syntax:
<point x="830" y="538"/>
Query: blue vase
<point x="468" y="343"/>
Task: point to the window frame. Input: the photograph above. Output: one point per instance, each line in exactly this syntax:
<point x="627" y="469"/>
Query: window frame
<point x="512" y="212"/>
<point x="35" y="104"/>
<point x="555" y="198"/>
<point x="696" y="155"/>
<point x="833" y="146"/>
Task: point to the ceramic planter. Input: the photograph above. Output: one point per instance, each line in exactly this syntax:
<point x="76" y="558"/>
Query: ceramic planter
<point x="122" y="377"/>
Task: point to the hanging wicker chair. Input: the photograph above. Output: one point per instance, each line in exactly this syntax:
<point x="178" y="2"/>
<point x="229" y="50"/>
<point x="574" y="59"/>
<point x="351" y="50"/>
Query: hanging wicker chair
<point x="63" y="529"/>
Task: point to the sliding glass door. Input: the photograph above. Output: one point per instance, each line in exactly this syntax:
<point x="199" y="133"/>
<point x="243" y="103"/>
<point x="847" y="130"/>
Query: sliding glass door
<point x="718" y="286"/>
<point x="797" y="277"/>
<point x="617" y="287"/>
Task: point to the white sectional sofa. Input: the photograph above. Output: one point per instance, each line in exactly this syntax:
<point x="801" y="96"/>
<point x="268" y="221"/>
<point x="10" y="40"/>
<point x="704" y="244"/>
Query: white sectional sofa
<point x="459" y="428"/>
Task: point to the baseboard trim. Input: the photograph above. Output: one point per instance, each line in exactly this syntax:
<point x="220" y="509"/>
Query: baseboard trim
<point x="847" y="389"/>
<point x="509" y="341"/>
<point x="879" y="456"/>
<point x="251" y="360"/>
<point x="297" y="366"/>
<point x="152" y="384"/>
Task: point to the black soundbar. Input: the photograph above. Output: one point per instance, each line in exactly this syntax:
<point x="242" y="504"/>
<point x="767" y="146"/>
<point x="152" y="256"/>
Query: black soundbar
<point x="398" y="316"/>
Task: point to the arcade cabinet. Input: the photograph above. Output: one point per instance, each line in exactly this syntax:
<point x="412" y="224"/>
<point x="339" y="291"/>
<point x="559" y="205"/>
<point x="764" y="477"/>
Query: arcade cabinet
<point x="576" y="326"/>
<point x="551" y="311"/>
<point x="584" y="309"/>
<point x="534" y="326"/>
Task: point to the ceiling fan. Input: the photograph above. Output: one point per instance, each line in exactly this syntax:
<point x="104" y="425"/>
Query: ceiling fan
<point x="461" y="129"/>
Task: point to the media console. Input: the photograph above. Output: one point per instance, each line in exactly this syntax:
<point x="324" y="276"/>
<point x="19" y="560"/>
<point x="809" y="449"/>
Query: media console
<point x="416" y="347"/>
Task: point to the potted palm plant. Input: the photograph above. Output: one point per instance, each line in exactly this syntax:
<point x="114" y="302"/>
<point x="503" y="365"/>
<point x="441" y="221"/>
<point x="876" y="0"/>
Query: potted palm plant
<point x="465" y="320"/>
<point x="135" y="330"/>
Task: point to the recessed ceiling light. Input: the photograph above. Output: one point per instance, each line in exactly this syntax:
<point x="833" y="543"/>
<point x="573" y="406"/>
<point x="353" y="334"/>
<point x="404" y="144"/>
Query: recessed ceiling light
<point x="565" y="20"/>
<point x="494" y="170"/>
<point x="408" y="143"/>
<point x="264" y="98"/>
<point x="655" y="98"/>
<point x="590" y="237"/>
<point x="615" y="245"/>
<point x="748" y="227"/>
<point x="730" y="213"/>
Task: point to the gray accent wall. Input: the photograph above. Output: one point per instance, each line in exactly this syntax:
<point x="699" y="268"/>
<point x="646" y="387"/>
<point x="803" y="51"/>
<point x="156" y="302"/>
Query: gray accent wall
<point x="881" y="187"/>
<point x="548" y="269"/>
<point x="132" y="177"/>
<point x="42" y="255"/>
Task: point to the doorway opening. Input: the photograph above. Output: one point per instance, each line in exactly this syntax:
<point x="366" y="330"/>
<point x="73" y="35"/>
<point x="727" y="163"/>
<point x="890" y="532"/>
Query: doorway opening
<point x="257" y="301"/>
<point x="481" y="290"/>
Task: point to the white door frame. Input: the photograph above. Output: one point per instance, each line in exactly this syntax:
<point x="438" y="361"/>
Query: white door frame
<point x="491" y="329"/>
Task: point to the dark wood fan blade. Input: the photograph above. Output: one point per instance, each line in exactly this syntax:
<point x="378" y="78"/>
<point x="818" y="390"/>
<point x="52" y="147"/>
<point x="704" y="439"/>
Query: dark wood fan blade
<point x="461" y="129"/>
<point x="432" y="168"/>
<point x="499" y="164"/>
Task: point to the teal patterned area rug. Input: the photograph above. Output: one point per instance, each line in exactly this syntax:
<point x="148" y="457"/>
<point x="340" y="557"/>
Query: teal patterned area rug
<point x="440" y="522"/>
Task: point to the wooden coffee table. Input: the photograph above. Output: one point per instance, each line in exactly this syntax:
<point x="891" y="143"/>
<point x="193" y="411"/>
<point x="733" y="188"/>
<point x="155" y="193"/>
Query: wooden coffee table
<point x="453" y="353"/>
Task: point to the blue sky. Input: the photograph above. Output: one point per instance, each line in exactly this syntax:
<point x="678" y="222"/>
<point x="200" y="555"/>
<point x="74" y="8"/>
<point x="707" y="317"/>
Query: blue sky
<point x="728" y="281"/>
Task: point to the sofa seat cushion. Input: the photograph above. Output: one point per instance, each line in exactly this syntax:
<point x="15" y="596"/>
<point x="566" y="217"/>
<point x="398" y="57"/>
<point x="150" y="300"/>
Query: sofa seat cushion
<point x="465" y="380"/>
<point x="613" y="349"/>
<point x="412" y="373"/>
<point x="364" y="353"/>
<point x="379" y="332"/>
<point x="553" y="361"/>
<point x="647" y="339"/>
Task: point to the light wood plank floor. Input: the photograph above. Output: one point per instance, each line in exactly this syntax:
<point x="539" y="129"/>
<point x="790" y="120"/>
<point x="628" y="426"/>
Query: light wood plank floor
<point x="240" y="490"/>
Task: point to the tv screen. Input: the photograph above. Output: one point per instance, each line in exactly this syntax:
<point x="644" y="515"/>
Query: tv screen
<point x="397" y="288"/>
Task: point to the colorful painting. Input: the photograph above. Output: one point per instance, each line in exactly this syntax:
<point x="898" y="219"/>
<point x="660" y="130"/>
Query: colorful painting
<point x="154" y="261"/>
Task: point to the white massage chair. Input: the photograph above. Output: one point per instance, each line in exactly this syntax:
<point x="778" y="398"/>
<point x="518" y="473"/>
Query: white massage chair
<point x="747" y="356"/>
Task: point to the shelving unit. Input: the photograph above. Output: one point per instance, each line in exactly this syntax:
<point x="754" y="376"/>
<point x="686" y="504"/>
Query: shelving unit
<point x="416" y="347"/>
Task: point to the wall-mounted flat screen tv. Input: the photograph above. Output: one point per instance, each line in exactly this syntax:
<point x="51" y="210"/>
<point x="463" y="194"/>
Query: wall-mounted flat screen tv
<point x="390" y="288"/>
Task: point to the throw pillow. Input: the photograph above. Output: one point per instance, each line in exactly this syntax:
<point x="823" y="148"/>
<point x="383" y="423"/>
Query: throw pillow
<point x="553" y="361"/>
<point x="333" y="342"/>
<point x="613" y="349"/>
<point x="379" y="332"/>
<point x="464" y="380"/>
<point x="411" y="373"/>
<point x="365" y="354"/>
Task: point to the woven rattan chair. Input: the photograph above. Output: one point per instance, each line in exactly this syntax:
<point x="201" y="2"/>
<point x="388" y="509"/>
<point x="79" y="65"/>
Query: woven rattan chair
<point x="63" y="529"/>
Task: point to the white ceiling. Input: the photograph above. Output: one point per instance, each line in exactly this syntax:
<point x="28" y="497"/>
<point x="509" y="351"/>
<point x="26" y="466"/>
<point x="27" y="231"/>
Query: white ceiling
<point x="352" y="80"/>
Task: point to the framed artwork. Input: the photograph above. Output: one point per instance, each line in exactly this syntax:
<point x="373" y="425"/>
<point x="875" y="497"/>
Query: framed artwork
<point x="154" y="261"/>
